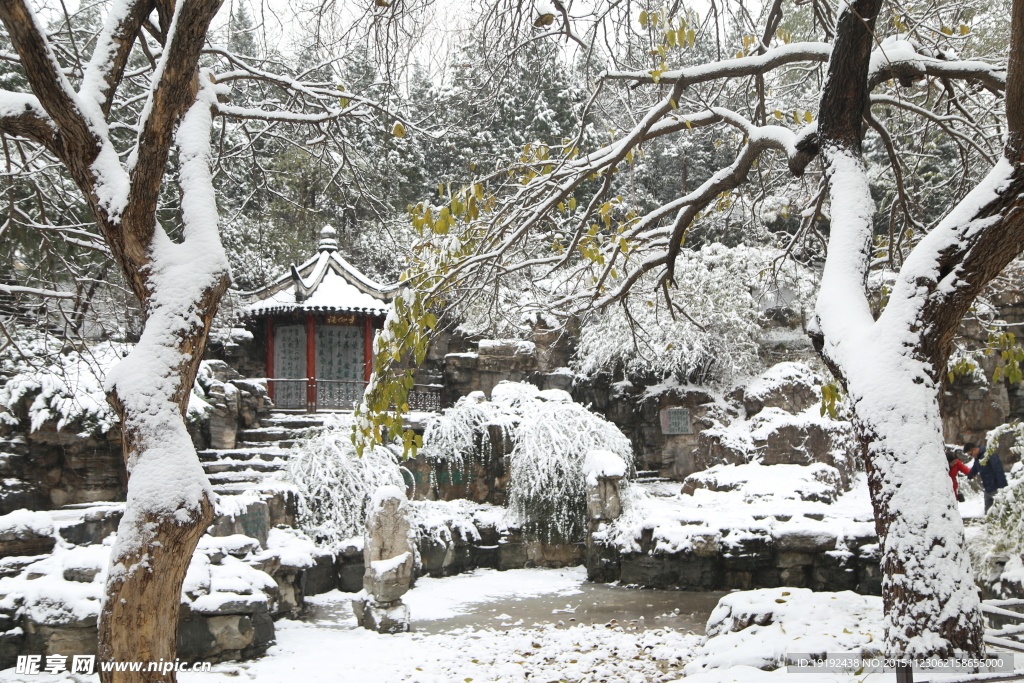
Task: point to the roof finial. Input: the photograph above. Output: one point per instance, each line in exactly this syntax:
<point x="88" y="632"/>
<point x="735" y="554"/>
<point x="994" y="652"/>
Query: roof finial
<point x="328" y="239"/>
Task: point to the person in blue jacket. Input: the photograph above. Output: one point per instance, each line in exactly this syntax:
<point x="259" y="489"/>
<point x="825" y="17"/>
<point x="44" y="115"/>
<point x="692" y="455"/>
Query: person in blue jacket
<point x="990" y="467"/>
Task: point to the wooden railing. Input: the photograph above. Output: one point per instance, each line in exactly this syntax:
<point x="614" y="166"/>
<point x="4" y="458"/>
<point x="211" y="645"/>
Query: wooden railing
<point x="315" y="394"/>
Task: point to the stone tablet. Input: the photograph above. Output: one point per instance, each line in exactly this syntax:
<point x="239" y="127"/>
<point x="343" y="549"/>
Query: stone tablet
<point x="675" y="421"/>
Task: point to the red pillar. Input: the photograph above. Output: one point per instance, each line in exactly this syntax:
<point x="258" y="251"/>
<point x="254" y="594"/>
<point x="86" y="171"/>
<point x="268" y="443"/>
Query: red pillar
<point x="270" y="356"/>
<point x="310" y="360"/>
<point x="367" y="348"/>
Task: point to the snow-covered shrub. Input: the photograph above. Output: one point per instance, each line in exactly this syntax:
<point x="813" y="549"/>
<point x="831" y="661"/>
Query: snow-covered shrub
<point x="547" y="486"/>
<point x="720" y="302"/>
<point x="459" y="433"/>
<point x="61" y="384"/>
<point x="1001" y="536"/>
<point x="551" y="436"/>
<point x="335" y="484"/>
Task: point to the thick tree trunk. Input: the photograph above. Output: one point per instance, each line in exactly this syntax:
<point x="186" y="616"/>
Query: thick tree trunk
<point x="932" y="606"/>
<point x="931" y="603"/>
<point x="140" y="613"/>
<point x="890" y="366"/>
<point x="139" y="621"/>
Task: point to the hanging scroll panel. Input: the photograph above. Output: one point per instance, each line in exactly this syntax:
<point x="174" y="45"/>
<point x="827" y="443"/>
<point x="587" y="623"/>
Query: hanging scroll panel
<point x="290" y="363"/>
<point x="339" y="366"/>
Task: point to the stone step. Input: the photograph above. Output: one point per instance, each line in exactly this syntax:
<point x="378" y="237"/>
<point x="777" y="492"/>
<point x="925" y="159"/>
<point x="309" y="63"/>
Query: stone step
<point x="247" y="476"/>
<point x="651" y="480"/>
<point x="286" y="421"/>
<point x="228" y="465"/>
<point x="283" y="445"/>
<point x="262" y="451"/>
<point x="266" y="434"/>
<point x="641" y="474"/>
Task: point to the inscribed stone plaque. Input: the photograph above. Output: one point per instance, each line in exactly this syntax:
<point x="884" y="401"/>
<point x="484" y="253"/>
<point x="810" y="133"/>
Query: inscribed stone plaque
<point x="675" y="421"/>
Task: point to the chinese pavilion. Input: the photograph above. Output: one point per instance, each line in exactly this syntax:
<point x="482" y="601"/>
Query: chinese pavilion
<point x="319" y="321"/>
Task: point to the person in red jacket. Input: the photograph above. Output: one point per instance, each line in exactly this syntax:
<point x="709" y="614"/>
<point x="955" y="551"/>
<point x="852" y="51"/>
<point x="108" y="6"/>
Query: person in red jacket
<point x="957" y="467"/>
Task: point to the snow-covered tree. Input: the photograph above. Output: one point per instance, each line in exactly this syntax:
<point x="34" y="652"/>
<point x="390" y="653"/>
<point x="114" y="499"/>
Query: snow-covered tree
<point x="130" y="123"/>
<point x="708" y="331"/>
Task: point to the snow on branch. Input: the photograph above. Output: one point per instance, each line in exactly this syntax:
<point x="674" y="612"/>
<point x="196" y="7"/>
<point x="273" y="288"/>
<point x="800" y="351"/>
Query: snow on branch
<point x="47" y="293"/>
<point x="732" y="68"/>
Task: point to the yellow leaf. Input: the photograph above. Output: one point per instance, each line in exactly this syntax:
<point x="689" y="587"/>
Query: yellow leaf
<point x="643" y="18"/>
<point x="808" y="116"/>
<point x="964" y="30"/>
<point x="691" y="37"/>
<point x="777" y="114"/>
<point x="572" y="203"/>
<point x="398" y="131"/>
<point x="673" y="104"/>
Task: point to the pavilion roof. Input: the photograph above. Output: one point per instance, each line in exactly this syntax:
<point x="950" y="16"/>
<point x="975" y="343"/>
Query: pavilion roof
<point x="325" y="283"/>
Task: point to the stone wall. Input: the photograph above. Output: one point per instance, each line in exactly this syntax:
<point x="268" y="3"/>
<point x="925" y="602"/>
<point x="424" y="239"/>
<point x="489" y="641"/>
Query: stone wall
<point x="802" y="557"/>
<point x="484" y="479"/>
<point x="48" y="468"/>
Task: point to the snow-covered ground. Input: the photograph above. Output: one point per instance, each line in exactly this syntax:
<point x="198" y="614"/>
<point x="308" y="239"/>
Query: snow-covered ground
<point x="750" y="629"/>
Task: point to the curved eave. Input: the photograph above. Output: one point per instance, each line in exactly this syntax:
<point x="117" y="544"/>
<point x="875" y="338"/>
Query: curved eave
<point x="313" y="270"/>
<point x="299" y="308"/>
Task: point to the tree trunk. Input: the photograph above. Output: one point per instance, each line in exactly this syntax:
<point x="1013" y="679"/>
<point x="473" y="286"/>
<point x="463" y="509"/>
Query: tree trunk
<point x="140" y="613"/>
<point x="892" y="367"/>
<point x="932" y="606"/>
<point x="155" y="542"/>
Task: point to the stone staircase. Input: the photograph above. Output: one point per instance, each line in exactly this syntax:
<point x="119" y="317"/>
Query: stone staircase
<point x="259" y="454"/>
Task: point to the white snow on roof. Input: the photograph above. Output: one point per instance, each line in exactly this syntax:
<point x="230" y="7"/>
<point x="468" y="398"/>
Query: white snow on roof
<point x="333" y="293"/>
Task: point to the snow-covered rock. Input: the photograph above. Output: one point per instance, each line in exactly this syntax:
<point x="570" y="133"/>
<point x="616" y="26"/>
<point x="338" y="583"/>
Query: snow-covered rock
<point x="760" y="628"/>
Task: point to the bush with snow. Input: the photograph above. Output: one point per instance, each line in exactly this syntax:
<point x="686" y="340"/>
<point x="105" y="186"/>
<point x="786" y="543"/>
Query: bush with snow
<point x="335" y="484"/>
<point x="712" y="332"/>
<point x="551" y="437"/>
<point x="1001" y="537"/>
<point x="459" y="434"/>
<point x="55" y="382"/>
